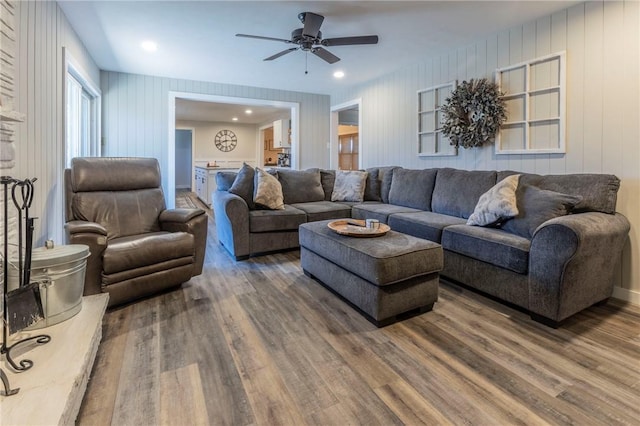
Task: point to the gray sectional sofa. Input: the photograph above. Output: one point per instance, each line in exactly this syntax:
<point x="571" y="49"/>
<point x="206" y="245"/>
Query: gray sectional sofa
<point x="553" y="270"/>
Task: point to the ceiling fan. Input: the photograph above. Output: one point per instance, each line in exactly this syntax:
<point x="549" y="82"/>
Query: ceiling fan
<point x="309" y="39"/>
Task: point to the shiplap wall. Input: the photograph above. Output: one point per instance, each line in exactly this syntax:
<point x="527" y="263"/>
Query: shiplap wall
<point x="602" y="42"/>
<point x="204" y="147"/>
<point x="43" y="31"/>
<point x="135" y="115"/>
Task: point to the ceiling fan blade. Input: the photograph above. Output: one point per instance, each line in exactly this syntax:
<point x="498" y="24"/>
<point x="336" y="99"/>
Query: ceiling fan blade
<point x="325" y="54"/>
<point x="277" y="55"/>
<point x="263" y="38"/>
<point x="312" y="23"/>
<point x="347" y="41"/>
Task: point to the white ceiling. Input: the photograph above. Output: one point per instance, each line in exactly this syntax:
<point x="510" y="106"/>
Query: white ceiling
<point x="196" y="39"/>
<point x="224" y="113"/>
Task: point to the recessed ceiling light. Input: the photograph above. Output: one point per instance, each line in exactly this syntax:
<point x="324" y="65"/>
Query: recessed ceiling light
<point x="235" y="118"/>
<point x="338" y="74"/>
<point x="248" y="111"/>
<point x="149" y="46"/>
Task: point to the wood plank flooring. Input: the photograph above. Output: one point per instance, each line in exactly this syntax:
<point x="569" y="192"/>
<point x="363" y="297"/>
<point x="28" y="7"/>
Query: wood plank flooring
<point x="257" y="342"/>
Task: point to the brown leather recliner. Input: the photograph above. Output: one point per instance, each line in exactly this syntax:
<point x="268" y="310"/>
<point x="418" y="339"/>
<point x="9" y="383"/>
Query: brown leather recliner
<point x="116" y="207"/>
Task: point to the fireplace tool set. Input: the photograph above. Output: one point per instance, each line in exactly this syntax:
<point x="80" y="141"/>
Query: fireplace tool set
<point x="22" y="306"/>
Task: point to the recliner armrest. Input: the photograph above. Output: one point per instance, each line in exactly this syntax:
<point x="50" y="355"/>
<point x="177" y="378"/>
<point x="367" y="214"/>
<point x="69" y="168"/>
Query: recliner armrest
<point x="94" y="236"/>
<point x="192" y="221"/>
<point x="179" y="215"/>
<point x="81" y="226"/>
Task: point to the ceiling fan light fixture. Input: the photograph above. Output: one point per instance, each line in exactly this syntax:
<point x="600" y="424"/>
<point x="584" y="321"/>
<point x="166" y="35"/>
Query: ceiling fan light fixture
<point x="309" y="39"/>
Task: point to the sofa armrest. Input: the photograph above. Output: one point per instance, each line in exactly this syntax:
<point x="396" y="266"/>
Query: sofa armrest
<point x="573" y="261"/>
<point x="192" y="221"/>
<point x="93" y="235"/>
<point x="232" y="223"/>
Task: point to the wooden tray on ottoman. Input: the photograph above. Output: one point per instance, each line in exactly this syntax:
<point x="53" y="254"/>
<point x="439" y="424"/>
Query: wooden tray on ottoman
<point x="357" y="228"/>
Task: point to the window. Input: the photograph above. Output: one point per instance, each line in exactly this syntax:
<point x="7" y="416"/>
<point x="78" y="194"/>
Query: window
<point x="431" y="141"/>
<point x="535" y="100"/>
<point x="82" y="127"/>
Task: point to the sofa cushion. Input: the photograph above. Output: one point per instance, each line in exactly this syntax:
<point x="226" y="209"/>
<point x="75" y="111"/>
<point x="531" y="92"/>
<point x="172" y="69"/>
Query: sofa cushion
<point x="327" y="179"/>
<point x="412" y="188"/>
<point x="599" y="192"/>
<point x="138" y="251"/>
<point x="349" y="185"/>
<point x="457" y="192"/>
<point x="427" y="225"/>
<point x="380" y="211"/>
<point x="268" y="191"/>
<point x="322" y="210"/>
<point x="287" y="219"/>
<point x="224" y="180"/>
<point x="535" y="207"/>
<point x="372" y="188"/>
<point x="301" y="186"/>
<point x="243" y="185"/>
<point x="497" y="204"/>
<point x="490" y="245"/>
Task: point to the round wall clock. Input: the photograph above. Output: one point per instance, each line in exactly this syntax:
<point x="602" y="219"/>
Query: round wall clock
<point x="226" y="140"/>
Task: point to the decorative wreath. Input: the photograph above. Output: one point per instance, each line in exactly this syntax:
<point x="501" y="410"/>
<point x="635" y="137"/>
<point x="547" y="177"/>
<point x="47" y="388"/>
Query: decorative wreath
<point x="473" y="113"/>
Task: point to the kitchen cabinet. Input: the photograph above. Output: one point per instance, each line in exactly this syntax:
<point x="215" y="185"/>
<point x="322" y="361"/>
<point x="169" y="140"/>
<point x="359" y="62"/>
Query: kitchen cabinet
<point x="281" y="135"/>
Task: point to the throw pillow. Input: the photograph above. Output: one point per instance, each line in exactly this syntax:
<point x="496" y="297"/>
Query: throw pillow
<point x="301" y="186"/>
<point x="385" y="174"/>
<point x="536" y="206"/>
<point x="372" y="188"/>
<point x="327" y="178"/>
<point x="224" y="180"/>
<point x="268" y="191"/>
<point x="349" y="185"/>
<point x="497" y="204"/>
<point x="243" y="185"/>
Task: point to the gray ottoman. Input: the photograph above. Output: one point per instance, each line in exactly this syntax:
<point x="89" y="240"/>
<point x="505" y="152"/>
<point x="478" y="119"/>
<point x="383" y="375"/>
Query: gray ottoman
<point x="387" y="278"/>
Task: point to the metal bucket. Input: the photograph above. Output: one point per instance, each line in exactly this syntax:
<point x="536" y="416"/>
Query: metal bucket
<point x="60" y="272"/>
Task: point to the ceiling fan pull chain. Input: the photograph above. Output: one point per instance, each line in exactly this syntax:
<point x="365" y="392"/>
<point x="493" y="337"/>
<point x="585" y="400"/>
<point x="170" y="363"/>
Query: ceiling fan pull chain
<point x="306" y="56"/>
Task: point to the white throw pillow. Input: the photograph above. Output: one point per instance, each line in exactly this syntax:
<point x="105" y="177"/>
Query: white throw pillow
<point x="497" y="204"/>
<point x="349" y="185"/>
<point x="268" y="191"/>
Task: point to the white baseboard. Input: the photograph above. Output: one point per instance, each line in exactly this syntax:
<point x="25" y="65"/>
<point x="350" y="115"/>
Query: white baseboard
<point x="626" y="295"/>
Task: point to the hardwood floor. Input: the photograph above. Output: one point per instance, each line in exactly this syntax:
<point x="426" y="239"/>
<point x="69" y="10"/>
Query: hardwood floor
<point x="257" y="342"/>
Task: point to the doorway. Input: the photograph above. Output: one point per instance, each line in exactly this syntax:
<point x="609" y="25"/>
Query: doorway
<point x="171" y="148"/>
<point x="184" y="166"/>
<point x="346" y="136"/>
